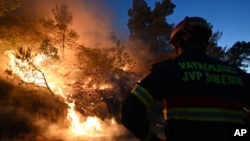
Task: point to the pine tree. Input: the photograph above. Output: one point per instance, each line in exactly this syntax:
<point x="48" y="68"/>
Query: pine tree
<point x="59" y="27"/>
<point x="151" y="26"/>
<point x="239" y="54"/>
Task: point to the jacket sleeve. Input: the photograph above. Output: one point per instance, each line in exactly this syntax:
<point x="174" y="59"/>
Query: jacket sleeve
<point x="247" y="100"/>
<point x="133" y="117"/>
<point x="135" y="106"/>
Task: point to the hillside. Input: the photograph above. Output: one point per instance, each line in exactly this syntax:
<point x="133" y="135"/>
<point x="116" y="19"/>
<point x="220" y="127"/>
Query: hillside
<point x="29" y="112"/>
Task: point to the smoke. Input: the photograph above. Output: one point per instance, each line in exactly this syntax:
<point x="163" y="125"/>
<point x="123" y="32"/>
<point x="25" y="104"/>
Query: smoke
<point x="92" y="20"/>
<point x="139" y="51"/>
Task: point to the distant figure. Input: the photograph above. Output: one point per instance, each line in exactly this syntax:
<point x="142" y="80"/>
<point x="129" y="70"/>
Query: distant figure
<point x="204" y="97"/>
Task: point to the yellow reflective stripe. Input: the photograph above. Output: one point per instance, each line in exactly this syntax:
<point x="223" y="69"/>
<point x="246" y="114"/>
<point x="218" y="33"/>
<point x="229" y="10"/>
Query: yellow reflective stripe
<point x="143" y="94"/>
<point x="205" y="114"/>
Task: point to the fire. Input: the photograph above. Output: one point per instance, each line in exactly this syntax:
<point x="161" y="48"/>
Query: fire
<point x="26" y="74"/>
<point x="90" y="127"/>
<point x="80" y="126"/>
<point x="105" y="86"/>
<point x="39" y="58"/>
<point x="125" y="68"/>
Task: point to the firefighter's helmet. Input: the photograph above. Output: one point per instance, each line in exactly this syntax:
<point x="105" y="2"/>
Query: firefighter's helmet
<point x="190" y="25"/>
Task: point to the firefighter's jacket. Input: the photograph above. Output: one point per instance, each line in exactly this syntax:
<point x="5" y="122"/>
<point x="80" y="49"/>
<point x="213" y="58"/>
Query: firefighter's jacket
<point x="195" y="87"/>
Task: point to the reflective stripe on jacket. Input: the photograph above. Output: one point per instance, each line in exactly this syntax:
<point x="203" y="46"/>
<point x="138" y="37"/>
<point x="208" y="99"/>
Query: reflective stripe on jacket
<point x="205" y="109"/>
<point x="195" y="108"/>
<point x="143" y="95"/>
<point x="205" y="114"/>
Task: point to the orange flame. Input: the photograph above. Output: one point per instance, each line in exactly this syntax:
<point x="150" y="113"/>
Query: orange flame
<point x="92" y="126"/>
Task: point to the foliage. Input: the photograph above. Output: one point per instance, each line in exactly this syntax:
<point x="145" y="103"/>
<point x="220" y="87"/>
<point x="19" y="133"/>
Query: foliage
<point x="100" y="62"/>
<point x="149" y="26"/>
<point x="139" y="20"/>
<point x="49" y="50"/>
<point x="239" y="54"/>
<point x="16" y="31"/>
<point x="23" y="54"/>
<point x="8" y="5"/>
<point x="59" y="27"/>
<point x="160" y="30"/>
<point x="213" y="49"/>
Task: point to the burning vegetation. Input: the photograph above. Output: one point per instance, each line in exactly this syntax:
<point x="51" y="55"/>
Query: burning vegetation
<point x="55" y="88"/>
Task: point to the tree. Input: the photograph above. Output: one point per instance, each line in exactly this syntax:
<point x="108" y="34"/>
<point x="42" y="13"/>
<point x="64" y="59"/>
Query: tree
<point x="25" y="67"/>
<point x="213" y="49"/>
<point x="160" y="29"/>
<point x="139" y="20"/>
<point x="59" y="27"/>
<point x="101" y="62"/>
<point x="8" y="5"/>
<point x="49" y="50"/>
<point x="239" y="54"/>
<point x="18" y="31"/>
<point x="151" y="27"/>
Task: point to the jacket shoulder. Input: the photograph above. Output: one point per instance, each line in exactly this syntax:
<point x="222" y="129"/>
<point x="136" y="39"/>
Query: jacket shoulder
<point x="162" y="63"/>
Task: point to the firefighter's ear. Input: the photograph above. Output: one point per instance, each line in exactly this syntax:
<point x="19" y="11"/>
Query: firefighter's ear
<point x="186" y="36"/>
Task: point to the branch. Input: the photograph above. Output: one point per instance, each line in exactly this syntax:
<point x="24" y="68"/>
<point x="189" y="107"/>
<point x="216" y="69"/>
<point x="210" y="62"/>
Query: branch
<point x="45" y="80"/>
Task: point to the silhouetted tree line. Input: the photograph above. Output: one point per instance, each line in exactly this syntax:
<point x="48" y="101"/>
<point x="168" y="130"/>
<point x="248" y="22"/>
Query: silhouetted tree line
<point x="152" y="27"/>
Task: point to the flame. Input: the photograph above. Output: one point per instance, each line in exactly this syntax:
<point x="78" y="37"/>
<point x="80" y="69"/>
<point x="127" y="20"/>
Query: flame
<point x="39" y="58"/>
<point x="91" y="126"/>
<point x="102" y="86"/>
<point x="125" y="68"/>
<point x="27" y="74"/>
<point x="105" y="86"/>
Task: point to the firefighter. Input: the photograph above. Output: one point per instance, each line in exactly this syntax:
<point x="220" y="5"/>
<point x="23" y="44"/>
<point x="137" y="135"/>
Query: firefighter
<point x="204" y="97"/>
